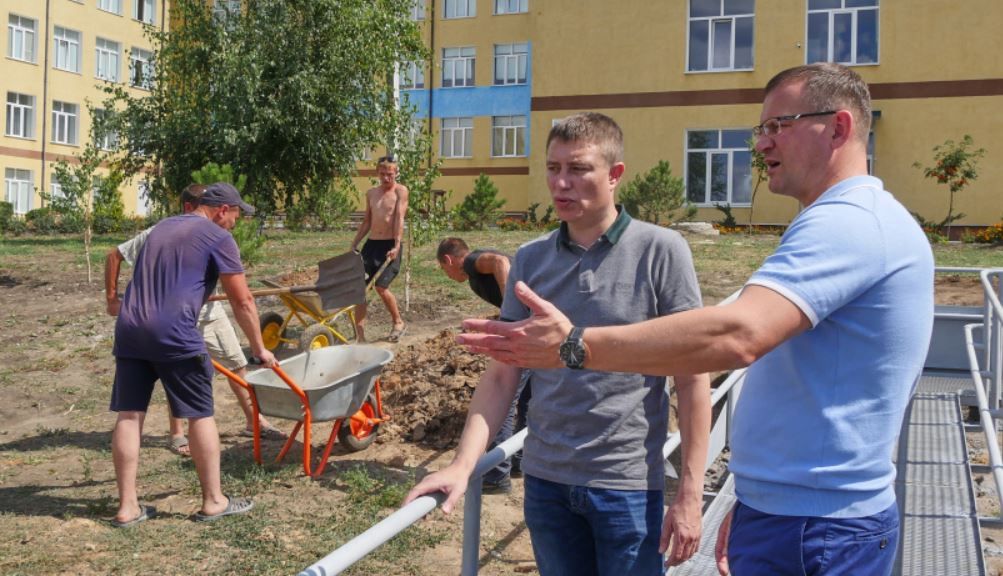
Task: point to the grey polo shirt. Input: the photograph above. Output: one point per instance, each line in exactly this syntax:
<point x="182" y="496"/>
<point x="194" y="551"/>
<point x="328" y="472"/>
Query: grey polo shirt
<point x="602" y="429"/>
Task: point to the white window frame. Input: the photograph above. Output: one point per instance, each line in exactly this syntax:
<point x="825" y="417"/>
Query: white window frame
<point x="511" y="6"/>
<point x="19" y="189"/>
<point x="113" y="6"/>
<point x="55" y="188"/>
<point x="107" y="139"/>
<point x="459" y="9"/>
<point x="462" y="59"/>
<point x="713" y="22"/>
<point x="22" y="38"/>
<point x="417" y="10"/>
<point x="411" y="76"/>
<point x="719" y="150"/>
<point x="223" y="11"/>
<point x="830" y="41"/>
<point x="509" y="134"/>
<point x="20" y="118"/>
<point x="66" y="49"/>
<point x="511" y="63"/>
<point x="65" y="123"/>
<point x="145" y="11"/>
<point x="459" y="133"/>
<point x="145" y="57"/>
<point x="108" y="59"/>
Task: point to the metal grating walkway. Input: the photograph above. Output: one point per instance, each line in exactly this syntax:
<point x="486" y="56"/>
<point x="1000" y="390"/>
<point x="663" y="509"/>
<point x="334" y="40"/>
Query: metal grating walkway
<point x="940" y="528"/>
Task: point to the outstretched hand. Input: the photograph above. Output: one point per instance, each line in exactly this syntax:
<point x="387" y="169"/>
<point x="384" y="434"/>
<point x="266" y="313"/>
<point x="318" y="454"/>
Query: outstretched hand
<point x="681" y="531"/>
<point x="530" y="343"/>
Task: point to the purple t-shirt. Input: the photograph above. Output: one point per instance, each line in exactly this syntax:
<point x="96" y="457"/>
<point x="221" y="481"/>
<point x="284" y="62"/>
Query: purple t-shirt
<point x="175" y="274"/>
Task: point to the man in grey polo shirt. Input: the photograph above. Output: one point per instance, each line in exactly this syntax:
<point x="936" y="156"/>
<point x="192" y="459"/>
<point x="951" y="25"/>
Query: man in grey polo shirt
<point x="593" y="458"/>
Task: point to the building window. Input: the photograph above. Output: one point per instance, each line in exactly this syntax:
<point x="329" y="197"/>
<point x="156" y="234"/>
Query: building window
<point x="510" y="63"/>
<point x="418" y="10"/>
<point x="19" y="189"/>
<point x="718" y="167"/>
<point x="144" y="11"/>
<point x="105" y="136"/>
<point x="508" y="136"/>
<point x="457" y="137"/>
<point x="56" y="191"/>
<point x="113" y="6"/>
<point x="225" y="12"/>
<point x="64" y="122"/>
<point x="20" y="115"/>
<point x="511" y="6"/>
<point x="412" y="75"/>
<point x="66" y="46"/>
<point x="720" y="35"/>
<point x="21" y="38"/>
<point x="107" y="59"/>
<point x="140" y="68"/>
<point x="460" y="9"/>
<point x="844" y="31"/>
<point x="458" y="67"/>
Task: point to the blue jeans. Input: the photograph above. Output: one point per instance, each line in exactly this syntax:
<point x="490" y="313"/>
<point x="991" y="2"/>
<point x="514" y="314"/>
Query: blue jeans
<point x="766" y="544"/>
<point x="580" y="531"/>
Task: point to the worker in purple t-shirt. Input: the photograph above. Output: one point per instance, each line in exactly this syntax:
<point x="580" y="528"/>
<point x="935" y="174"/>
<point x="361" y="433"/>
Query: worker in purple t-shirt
<point x="157" y="338"/>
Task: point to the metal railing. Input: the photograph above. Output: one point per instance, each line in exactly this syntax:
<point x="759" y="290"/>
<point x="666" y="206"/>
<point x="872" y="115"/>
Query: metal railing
<point x="357" y="548"/>
<point x="991" y="346"/>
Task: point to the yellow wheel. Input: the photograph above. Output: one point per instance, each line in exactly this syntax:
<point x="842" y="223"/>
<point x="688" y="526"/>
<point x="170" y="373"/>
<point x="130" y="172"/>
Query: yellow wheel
<point x="316" y="336"/>
<point x="271" y="330"/>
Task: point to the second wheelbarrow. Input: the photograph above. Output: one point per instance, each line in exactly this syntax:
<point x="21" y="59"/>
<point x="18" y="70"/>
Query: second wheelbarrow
<point x="338" y="383"/>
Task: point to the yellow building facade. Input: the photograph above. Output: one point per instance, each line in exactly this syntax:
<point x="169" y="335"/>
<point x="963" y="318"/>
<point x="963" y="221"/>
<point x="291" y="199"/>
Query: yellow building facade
<point x="58" y="55"/>
<point x="684" y="79"/>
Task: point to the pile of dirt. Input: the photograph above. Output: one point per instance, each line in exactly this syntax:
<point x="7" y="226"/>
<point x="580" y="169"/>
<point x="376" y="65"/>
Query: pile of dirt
<point x="305" y="277"/>
<point x="427" y="389"/>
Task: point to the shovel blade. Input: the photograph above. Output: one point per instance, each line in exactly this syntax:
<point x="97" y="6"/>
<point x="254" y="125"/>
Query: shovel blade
<point x="341" y="281"/>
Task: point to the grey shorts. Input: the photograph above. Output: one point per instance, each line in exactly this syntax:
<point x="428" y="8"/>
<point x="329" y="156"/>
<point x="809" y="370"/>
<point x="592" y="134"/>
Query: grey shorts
<point x="222" y="343"/>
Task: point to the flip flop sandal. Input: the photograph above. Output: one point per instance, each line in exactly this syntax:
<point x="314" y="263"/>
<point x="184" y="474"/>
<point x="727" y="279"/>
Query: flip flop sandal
<point x="145" y="513"/>
<point x="234" y="506"/>
<point x="178" y="444"/>
<point x="396" y="334"/>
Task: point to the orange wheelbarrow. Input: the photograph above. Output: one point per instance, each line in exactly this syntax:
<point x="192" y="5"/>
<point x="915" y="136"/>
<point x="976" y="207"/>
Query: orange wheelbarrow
<point x="338" y="383"/>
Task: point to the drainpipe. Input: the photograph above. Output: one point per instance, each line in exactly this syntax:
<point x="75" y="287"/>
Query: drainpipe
<point x="431" y="75"/>
<point x="45" y="100"/>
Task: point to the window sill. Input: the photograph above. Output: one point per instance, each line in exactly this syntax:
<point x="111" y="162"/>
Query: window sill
<point x="77" y="72"/>
<point x="720" y="71"/>
<point x="504" y="157"/>
<point x="22" y="138"/>
<point x="719" y="203"/>
<point x="67" y="144"/>
<point x="119" y="14"/>
<point x="460" y="17"/>
<point x="22" y="60"/>
<point x="497" y="85"/>
<point x="509" y="13"/>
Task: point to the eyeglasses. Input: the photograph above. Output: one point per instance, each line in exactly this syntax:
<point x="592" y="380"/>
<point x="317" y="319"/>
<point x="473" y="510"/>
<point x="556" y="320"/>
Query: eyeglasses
<point x="773" y="126"/>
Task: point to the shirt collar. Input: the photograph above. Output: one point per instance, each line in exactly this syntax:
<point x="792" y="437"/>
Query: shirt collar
<point x="611" y="235"/>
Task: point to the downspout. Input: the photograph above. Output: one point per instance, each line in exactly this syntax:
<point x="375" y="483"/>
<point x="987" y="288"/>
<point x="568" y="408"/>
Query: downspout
<point x="45" y="101"/>
<point x="431" y="76"/>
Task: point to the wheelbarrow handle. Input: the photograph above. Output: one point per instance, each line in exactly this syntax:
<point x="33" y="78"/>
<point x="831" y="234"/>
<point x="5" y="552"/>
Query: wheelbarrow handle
<point x="269" y="292"/>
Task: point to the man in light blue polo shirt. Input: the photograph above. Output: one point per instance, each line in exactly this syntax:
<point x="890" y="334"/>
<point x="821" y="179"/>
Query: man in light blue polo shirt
<point x="835" y="324"/>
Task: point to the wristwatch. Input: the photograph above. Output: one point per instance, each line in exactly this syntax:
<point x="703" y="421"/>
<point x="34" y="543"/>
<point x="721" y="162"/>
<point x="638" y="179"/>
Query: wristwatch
<point x="573" y="349"/>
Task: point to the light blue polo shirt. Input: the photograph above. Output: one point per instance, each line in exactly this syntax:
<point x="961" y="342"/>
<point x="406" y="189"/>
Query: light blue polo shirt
<point x="819" y="415"/>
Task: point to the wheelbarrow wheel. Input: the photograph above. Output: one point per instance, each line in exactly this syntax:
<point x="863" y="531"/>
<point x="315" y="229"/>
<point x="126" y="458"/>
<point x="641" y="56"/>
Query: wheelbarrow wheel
<point x="316" y="336"/>
<point x="271" y="330"/>
<point x="356" y="432"/>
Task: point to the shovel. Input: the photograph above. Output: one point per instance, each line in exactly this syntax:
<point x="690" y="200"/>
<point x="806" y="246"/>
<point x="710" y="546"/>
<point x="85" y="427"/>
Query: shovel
<point x="340" y="282"/>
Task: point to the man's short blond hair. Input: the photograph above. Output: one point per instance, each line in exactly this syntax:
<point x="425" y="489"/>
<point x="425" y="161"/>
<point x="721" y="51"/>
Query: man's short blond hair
<point x="592" y="127"/>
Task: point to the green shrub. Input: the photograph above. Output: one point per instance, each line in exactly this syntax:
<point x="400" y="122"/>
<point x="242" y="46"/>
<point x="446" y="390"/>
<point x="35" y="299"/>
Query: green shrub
<point x="479" y="208"/>
<point x="42" y="220"/>
<point x="321" y="209"/>
<point x="729" y="220"/>
<point x="250" y="240"/>
<point x="6" y="217"/>
<point x="656" y="195"/>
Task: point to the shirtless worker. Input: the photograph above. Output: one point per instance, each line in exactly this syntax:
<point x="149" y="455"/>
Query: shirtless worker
<point x="386" y="206"/>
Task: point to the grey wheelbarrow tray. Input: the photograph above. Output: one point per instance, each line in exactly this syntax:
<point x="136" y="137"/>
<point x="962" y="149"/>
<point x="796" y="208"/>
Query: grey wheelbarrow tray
<point x="339" y="383"/>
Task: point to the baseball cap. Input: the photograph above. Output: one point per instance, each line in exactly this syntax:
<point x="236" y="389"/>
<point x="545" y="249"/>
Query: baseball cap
<point x="224" y="194"/>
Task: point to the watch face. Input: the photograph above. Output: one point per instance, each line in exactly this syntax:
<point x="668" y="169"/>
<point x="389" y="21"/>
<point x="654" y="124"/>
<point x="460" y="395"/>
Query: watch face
<point x="573" y="354"/>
